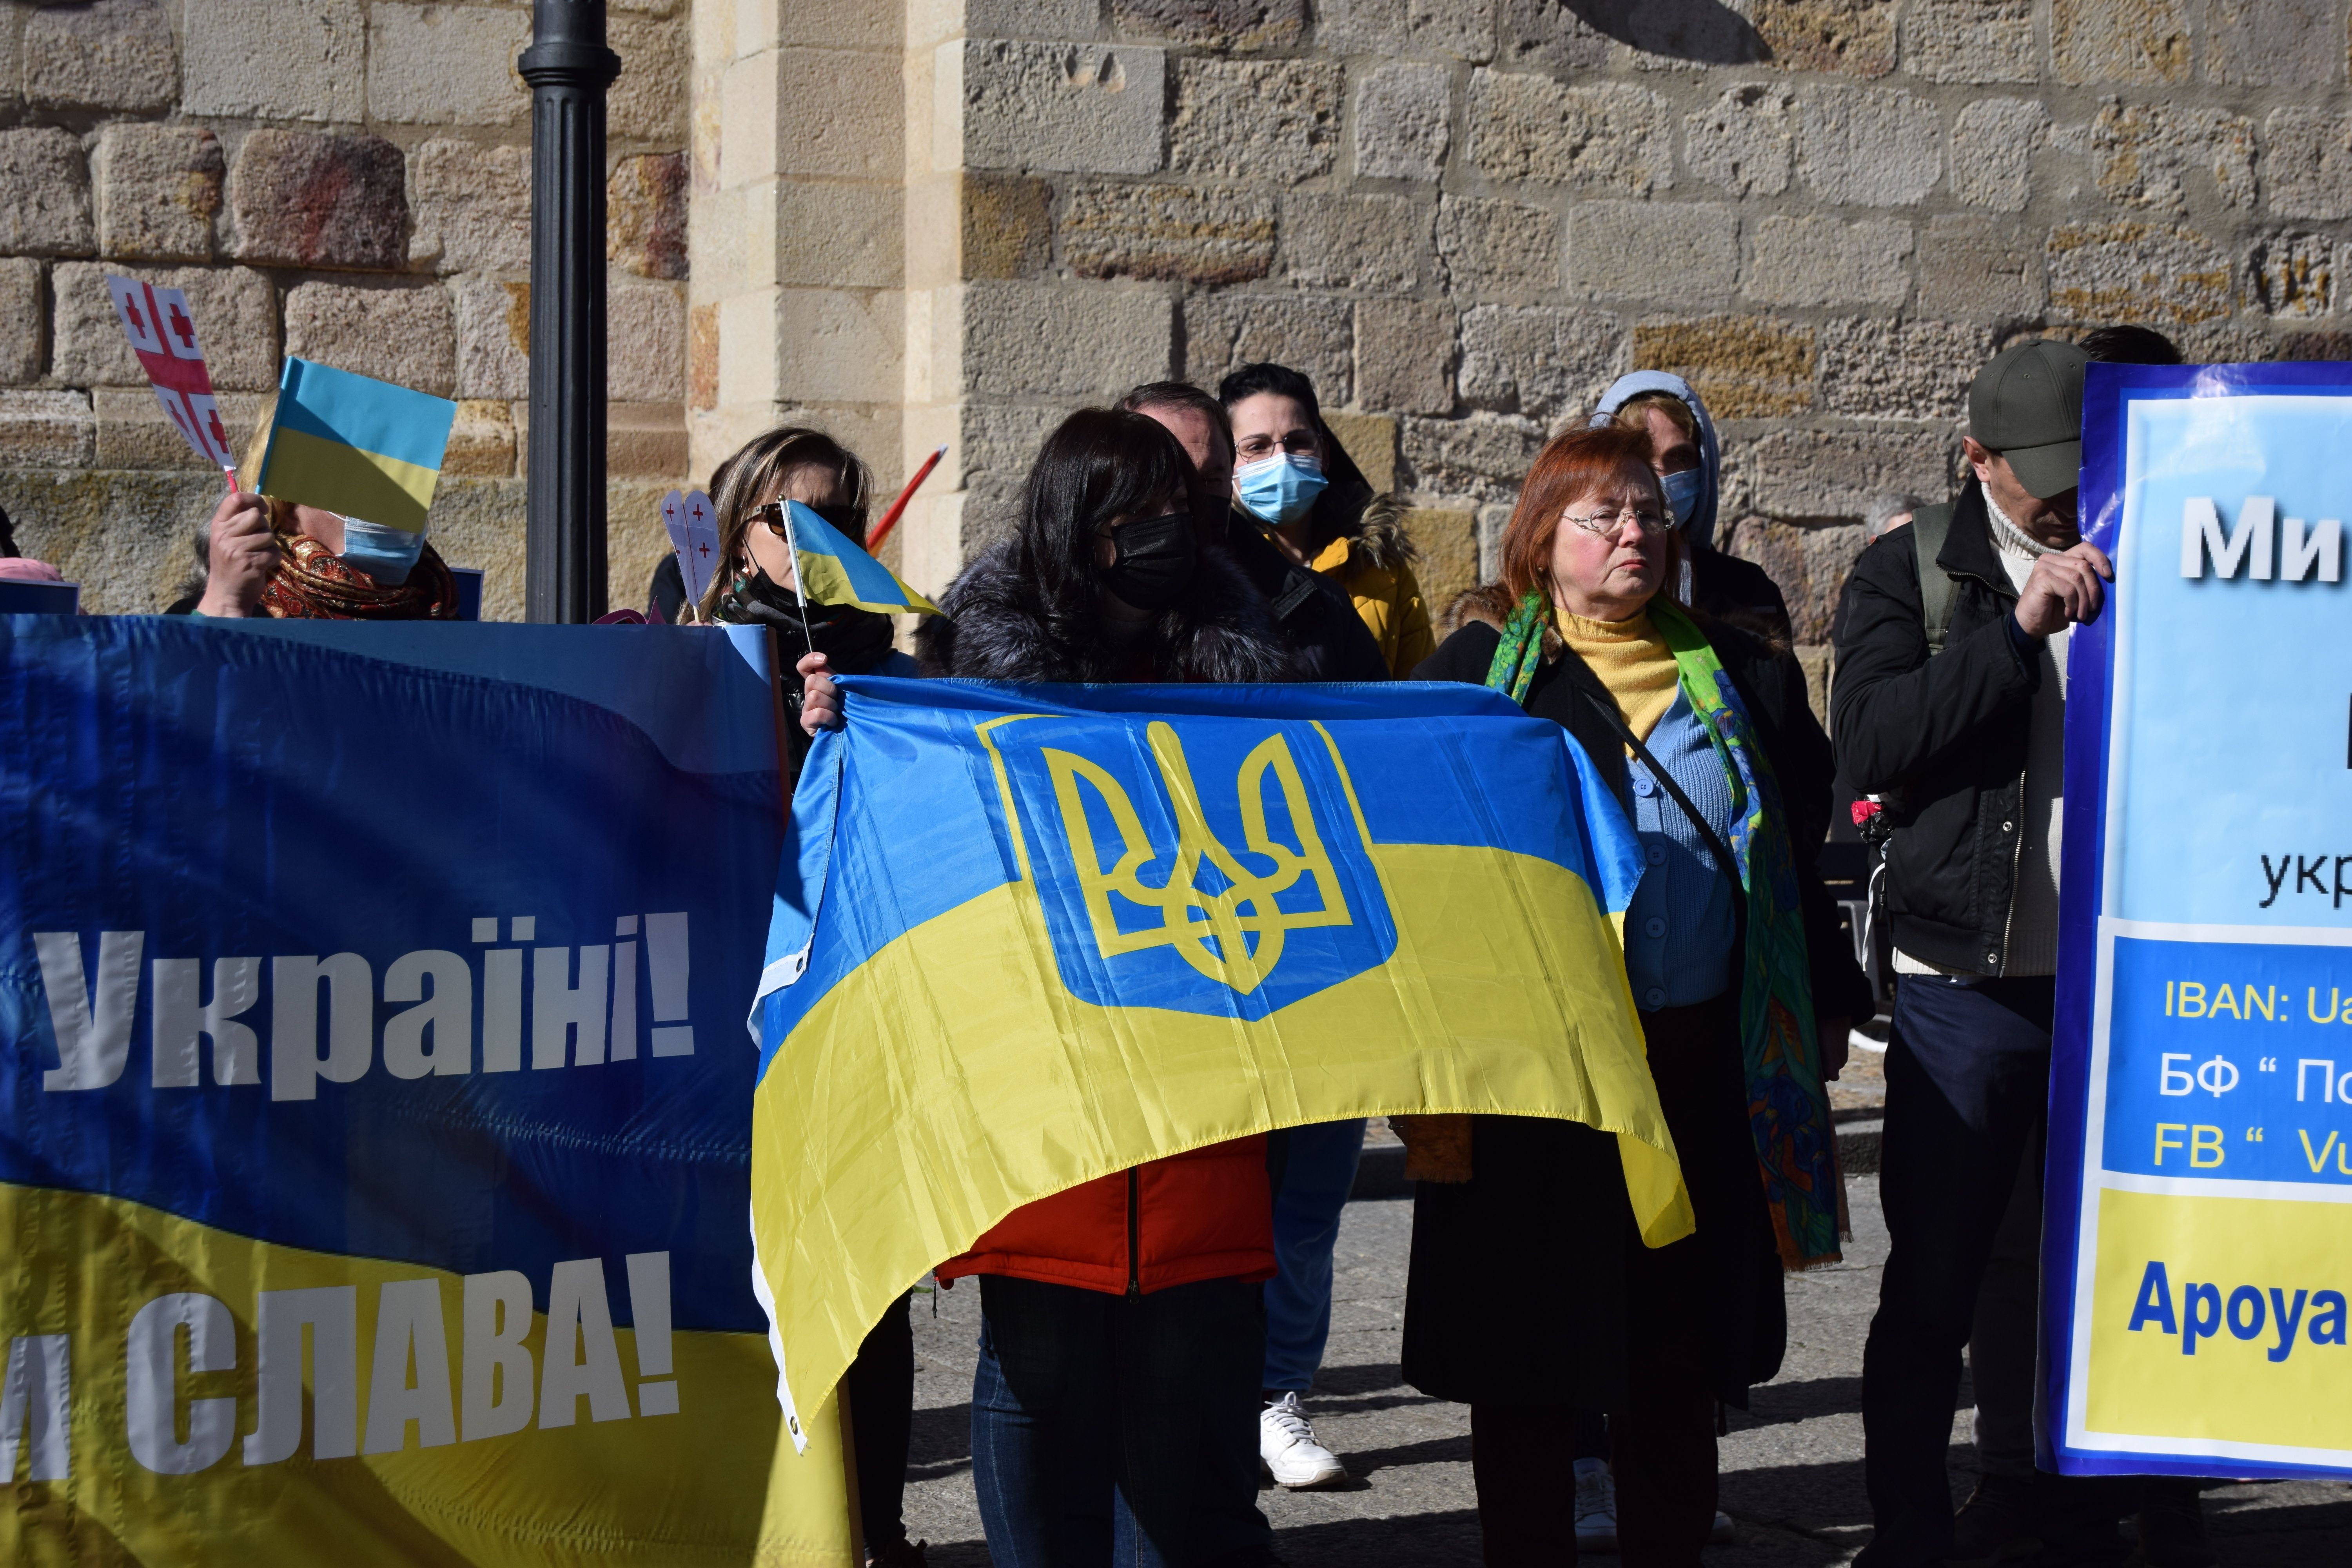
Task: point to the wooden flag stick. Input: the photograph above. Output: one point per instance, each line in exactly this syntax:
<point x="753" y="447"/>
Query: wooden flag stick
<point x="899" y="508"/>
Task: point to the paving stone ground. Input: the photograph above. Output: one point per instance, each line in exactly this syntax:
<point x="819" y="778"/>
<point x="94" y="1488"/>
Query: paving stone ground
<point x="1791" y="1467"/>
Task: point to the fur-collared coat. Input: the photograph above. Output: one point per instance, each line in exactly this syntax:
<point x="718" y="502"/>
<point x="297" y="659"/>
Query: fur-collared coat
<point x="994" y="626"/>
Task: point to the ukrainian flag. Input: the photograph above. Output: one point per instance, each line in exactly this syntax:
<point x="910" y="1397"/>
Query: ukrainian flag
<point x="835" y="571"/>
<point x="355" y="446"/>
<point x="1027" y="936"/>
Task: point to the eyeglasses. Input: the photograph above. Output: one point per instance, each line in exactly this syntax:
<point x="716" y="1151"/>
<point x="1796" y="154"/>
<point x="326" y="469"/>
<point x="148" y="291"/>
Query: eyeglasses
<point x="1601" y="524"/>
<point x="1256" y="448"/>
<point x="847" y="519"/>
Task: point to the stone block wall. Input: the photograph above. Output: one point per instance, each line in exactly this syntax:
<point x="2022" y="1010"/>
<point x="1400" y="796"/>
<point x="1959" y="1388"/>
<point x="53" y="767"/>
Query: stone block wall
<point x="1464" y="217"/>
<point x="344" y="180"/>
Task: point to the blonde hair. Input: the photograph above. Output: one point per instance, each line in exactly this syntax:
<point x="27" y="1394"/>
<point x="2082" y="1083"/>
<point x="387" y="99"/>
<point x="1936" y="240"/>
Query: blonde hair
<point x="1634" y="413"/>
<point x="762" y="463"/>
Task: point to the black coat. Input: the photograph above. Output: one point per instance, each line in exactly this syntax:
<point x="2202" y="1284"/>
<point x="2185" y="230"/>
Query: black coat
<point x="1317" y="620"/>
<point x="1543" y="1229"/>
<point x="1943" y="740"/>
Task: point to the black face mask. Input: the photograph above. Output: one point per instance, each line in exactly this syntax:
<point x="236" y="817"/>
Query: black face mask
<point x="1154" y="561"/>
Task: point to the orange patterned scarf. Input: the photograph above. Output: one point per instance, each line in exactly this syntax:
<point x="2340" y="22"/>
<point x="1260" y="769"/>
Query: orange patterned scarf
<point x="311" y="582"/>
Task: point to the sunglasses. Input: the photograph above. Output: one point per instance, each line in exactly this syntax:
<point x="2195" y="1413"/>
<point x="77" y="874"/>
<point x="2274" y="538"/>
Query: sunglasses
<point x="845" y="519"/>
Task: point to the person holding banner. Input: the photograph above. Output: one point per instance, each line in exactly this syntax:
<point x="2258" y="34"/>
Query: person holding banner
<point x="1122" y="1334"/>
<point x="1950" y="707"/>
<point x="1736" y="968"/>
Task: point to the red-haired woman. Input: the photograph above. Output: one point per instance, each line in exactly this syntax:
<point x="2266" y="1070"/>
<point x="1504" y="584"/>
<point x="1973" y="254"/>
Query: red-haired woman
<point x="1739" y="976"/>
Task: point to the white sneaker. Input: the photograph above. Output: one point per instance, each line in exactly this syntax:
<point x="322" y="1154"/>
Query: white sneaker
<point x="1287" y="1443"/>
<point x="1722" y="1534"/>
<point x="1596" y="1507"/>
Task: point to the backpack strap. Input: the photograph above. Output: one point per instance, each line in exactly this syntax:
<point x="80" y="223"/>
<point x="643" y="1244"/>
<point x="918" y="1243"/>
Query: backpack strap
<point x="1930" y="526"/>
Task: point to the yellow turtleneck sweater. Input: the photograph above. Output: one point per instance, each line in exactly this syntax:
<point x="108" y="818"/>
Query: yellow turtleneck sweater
<point x="1632" y="660"/>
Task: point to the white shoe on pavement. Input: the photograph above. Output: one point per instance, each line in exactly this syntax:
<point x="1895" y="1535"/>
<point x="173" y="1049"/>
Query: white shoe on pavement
<point x="1596" y="1507"/>
<point x="1287" y="1443"/>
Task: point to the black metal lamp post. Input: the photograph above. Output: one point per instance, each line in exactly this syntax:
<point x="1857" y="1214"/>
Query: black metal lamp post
<point x="569" y="68"/>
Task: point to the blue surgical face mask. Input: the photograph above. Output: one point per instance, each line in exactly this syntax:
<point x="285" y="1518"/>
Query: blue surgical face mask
<point x="386" y="554"/>
<point x="1280" y="489"/>
<point x="1682" y="492"/>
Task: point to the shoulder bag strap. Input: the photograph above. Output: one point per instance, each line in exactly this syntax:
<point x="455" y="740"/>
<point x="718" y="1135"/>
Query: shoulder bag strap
<point x="1930" y="526"/>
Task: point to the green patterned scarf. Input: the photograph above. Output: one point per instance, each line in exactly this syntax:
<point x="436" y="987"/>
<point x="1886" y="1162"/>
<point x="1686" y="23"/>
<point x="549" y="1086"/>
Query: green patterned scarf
<point x="1788" y="1110"/>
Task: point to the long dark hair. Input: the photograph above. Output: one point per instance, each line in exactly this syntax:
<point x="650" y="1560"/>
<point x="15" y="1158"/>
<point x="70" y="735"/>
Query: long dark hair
<point x="1098" y="464"/>
<point x="1340" y="508"/>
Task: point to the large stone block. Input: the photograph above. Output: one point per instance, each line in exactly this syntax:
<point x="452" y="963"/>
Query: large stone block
<point x="1851" y="37"/>
<point x="406" y="335"/>
<point x="648" y="99"/>
<point x="1549" y="35"/>
<point x="1370" y="440"/>
<point x="159" y="188"/>
<point x="2156" y="273"/>
<point x="701" y="356"/>
<point x="1446" y="541"/>
<point x="646" y="342"/>
<point x="1311" y="333"/>
<point x="2271" y="43"/>
<point x="844" y="236"/>
<point x="106" y="54"/>
<point x="44" y="193"/>
<point x="1223" y="25"/>
<point x="1496" y="247"/>
<point x="1089" y="107"/>
<point x="481" y="440"/>
<point x="46" y="430"/>
<point x="236" y="318"/>
<point x="1483" y="457"/>
<point x="2294" y="274"/>
<point x="2140" y="155"/>
<point x="1652" y="250"/>
<point x="1746" y="367"/>
<point x="473" y="206"/>
<point x="994" y="446"/>
<point x="645" y="441"/>
<point x="1273" y="121"/>
<point x="133" y="432"/>
<point x="1404" y="355"/>
<point x="1879" y="368"/>
<point x="1835" y="475"/>
<point x="1354" y="242"/>
<point x="1175" y="232"/>
<point x="313" y="66"/>
<point x="1975" y="41"/>
<point x="446" y="64"/>
<point x="493" y="339"/>
<point x="1985" y="268"/>
<point x="1820" y="261"/>
<point x="1464" y="29"/>
<point x="1071" y="341"/>
<point x="1993" y="143"/>
<point x="1403" y="127"/>
<point x="1539" y="361"/>
<point x="645" y="222"/>
<point x="1743" y="141"/>
<point x="1808" y="565"/>
<point x="302" y="199"/>
<point x="1872" y="149"/>
<point x="2119" y="40"/>
<point x="12" y="57"/>
<point x="1008" y="227"/>
<point x="124" y="537"/>
<point x="843" y="115"/>
<point x="481" y="523"/>
<point x="2307" y="162"/>
<point x="1611" y="136"/>
<point x="21" y="322"/>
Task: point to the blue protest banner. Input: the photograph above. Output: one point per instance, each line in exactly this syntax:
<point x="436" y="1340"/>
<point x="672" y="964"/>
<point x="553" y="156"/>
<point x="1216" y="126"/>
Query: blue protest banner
<point x="380" y="990"/>
<point x="2198" y="1240"/>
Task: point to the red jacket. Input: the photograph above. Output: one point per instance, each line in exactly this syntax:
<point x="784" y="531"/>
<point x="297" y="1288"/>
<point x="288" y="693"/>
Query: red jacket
<point x="1206" y="1215"/>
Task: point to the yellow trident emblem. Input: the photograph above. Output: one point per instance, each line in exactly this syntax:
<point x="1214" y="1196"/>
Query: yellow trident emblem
<point x="1191" y="918"/>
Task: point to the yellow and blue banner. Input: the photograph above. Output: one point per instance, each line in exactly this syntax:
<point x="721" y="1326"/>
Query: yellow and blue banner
<point x="835" y="571"/>
<point x="2198" y="1229"/>
<point x="375" y="1128"/>
<point x="1028" y="936"/>
<point x="355" y="446"/>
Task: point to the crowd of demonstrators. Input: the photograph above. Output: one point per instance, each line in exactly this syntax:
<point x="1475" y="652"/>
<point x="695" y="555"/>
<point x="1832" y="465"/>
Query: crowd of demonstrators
<point x="1703" y="735"/>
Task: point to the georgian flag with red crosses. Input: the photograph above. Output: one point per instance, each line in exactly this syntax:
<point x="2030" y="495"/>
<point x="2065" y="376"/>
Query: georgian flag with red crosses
<point x="162" y="332"/>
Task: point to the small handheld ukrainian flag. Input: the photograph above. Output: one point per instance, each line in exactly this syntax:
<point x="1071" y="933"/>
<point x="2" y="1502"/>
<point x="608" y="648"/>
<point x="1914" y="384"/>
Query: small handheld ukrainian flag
<point x="355" y="446"/>
<point x="835" y="571"/>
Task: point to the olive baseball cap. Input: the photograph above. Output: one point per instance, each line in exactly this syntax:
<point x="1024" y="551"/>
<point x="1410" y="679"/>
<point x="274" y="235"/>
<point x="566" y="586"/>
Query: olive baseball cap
<point x="2027" y="405"/>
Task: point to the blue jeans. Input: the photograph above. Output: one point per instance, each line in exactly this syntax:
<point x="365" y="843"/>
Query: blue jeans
<point x="1102" y="1426"/>
<point x="1315" y="1185"/>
